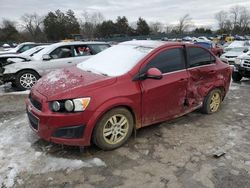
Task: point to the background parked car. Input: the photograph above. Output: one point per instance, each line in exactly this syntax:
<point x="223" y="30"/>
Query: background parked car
<point x="7" y="59"/>
<point x="60" y="55"/>
<point x="218" y="51"/>
<point x="242" y="67"/>
<point x="231" y="55"/>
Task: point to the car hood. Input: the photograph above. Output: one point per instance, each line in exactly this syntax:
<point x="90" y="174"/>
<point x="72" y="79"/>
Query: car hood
<point x="232" y="54"/>
<point x="70" y="83"/>
<point x="244" y="56"/>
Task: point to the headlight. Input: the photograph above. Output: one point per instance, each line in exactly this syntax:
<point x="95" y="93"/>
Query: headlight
<point x="56" y="106"/>
<point x="237" y="61"/>
<point x="71" y="105"/>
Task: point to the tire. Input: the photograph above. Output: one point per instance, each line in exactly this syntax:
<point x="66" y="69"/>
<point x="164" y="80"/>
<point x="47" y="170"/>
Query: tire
<point x="117" y="124"/>
<point x="26" y="79"/>
<point x="236" y="76"/>
<point x="212" y="102"/>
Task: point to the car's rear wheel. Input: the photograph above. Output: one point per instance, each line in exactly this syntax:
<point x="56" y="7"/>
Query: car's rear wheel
<point x="236" y="76"/>
<point x="26" y="79"/>
<point x="113" y="129"/>
<point x="212" y="102"/>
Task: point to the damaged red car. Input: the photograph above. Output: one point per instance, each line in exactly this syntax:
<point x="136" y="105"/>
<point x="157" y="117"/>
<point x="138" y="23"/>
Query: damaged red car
<point x="124" y="88"/>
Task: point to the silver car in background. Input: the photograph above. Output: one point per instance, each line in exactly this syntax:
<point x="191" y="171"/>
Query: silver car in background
<point x="23" y="75"/>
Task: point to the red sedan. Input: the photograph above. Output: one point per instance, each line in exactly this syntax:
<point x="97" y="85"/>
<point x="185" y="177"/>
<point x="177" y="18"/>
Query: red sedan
<point x="124" y="88"/>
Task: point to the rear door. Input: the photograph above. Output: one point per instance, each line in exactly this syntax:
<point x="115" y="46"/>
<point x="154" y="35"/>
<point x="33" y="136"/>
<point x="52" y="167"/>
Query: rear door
<point x="163" y="99"/>
<point x="202" y="70"/>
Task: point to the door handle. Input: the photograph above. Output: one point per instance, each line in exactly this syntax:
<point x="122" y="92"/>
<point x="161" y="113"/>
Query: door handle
<point x="183" y="80"/>
<point x="212" y="71"/>
<point x="69" y="62"/>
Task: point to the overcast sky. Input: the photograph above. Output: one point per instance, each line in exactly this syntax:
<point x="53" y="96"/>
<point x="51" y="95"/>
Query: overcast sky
<point x="166" y="11"/>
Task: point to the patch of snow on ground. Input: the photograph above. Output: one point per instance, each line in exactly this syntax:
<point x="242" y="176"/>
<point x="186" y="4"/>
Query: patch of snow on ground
<point x="17" y="154"/>
<point x="232" y="87"/>
<point x="7" y="90"/>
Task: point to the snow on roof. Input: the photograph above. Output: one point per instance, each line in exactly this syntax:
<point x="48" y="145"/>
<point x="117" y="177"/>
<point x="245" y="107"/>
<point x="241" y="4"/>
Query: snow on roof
<point x="18" y="153"/>
<point x="145" y="43"/>
<point x="119" y="59"/>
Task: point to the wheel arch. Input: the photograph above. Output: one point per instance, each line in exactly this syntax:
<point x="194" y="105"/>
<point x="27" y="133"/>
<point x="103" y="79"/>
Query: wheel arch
<point x="102" y="110"/>
<point x="27" y="69"/>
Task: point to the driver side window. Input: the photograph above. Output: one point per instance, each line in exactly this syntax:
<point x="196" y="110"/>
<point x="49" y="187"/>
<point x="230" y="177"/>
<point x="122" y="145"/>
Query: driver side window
<point x="61" y="52"/>
<point x="168" y="61"/>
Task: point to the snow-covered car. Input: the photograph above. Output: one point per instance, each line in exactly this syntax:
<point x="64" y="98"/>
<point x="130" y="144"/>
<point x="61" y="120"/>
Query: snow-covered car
<point x="237" y="44"/>
<point x="24" y="75"/>
<point x="203" y="38"/>
<point x="242" y="67"/>
<point x="230" y="56"/>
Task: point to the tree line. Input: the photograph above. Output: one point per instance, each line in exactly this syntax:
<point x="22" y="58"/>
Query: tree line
<point x="60" y="25"/>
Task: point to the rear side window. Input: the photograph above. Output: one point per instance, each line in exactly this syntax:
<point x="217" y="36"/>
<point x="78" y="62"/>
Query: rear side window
<point x="82" y="50"/>
<point x="199" y="57"/>
<point x="168" y="61"/>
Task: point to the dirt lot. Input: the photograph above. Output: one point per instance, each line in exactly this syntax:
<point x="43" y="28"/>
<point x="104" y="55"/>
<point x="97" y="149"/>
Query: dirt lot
<point x="174" y="154"/>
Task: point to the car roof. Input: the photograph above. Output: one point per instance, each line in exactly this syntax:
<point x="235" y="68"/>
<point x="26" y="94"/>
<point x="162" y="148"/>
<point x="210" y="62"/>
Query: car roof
<point x="151" y="43"/>
<point x="77" y="43"/>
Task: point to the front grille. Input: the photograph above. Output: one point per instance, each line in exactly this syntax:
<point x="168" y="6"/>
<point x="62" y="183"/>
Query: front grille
<point x="35" y="103"/>
<point x="34" y="121"/>
<point x="230" y="56"/>
<point x="246" y="63"/>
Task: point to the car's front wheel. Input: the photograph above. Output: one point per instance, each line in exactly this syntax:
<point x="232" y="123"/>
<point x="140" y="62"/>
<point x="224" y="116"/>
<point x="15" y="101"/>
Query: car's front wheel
<point x="113" y="129"/>
<point x="236" y="76"/>
<point x="26" y="79"/>
<point x="212" y="102"/>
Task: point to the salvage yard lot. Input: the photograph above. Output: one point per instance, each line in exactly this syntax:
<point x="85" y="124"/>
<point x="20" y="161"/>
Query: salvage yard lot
<point x="175" y="154"/>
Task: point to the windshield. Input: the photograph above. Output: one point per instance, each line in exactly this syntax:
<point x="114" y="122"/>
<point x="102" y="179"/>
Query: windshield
<point x="116" y="60"/>
<point x="33" y="51"/>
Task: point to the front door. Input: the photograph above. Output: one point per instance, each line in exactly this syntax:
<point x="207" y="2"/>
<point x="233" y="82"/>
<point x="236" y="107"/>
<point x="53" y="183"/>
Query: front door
<point x="165" y="98"/>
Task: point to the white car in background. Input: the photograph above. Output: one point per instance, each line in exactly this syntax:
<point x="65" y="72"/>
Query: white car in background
<point x="231" y="55"/>
<point x="24" y="75"/>
<point x="20" y="48"/>
<point x="237" y="44"/>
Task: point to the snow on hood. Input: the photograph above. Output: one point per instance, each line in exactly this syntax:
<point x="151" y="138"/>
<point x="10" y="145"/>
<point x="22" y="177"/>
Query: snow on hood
<point x="64" y="80"/>
<point x="232" y="53"/>
<point x="17" y="154"/>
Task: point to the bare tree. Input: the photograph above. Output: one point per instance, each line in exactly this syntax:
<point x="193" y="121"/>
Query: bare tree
<point x="184" y="24"/>
<point x="32" y="23"/>
<point x="156" y="27"/>
<point x="221" y="17"/>
<point x="235" y="14"/>
<point x="89" y="22"/>
<point x="169" y="28"/>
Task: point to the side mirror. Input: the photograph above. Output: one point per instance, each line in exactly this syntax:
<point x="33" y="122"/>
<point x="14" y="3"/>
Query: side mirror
<point x="46" y="57"/>
<point x="154" y="73"/>
<point x="245" y="51"/>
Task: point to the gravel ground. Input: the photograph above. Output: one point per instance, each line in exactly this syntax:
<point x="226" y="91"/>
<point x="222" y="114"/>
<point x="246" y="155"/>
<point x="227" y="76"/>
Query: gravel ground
<point x="179" y="153"/>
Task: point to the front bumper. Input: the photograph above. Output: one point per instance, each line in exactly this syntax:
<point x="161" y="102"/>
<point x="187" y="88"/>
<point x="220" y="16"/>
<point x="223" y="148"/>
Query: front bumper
<point x="245" y="72"/>
<point x="60" y="128"/>
<point x="8" y="78"/>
